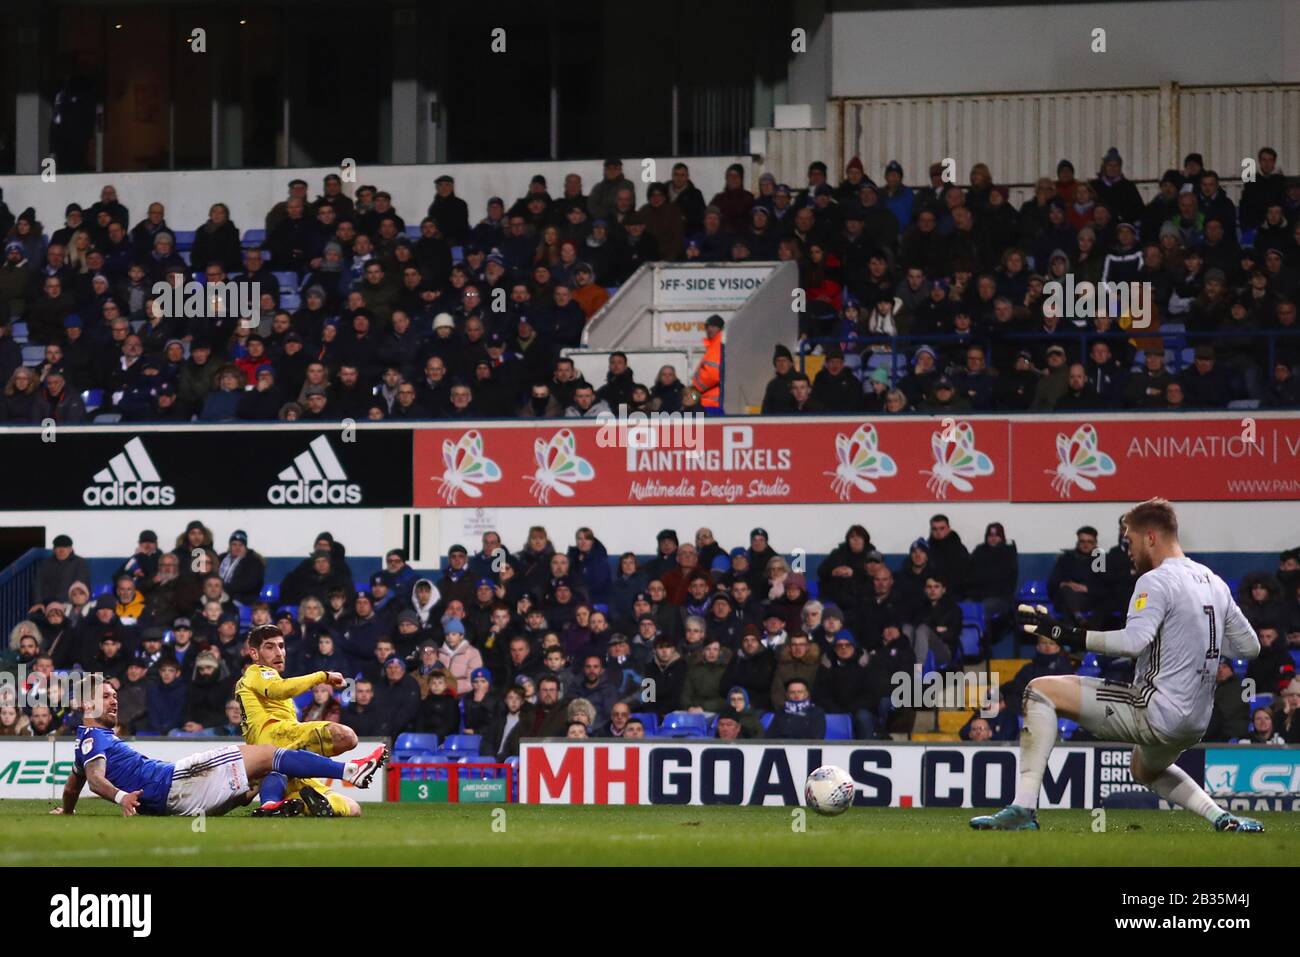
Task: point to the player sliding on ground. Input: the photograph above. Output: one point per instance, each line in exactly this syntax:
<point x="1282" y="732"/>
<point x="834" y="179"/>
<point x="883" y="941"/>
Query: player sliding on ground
<point x="210" y="782"/>
<point x="1181" y="620"/>
<point x="269" y="717"/>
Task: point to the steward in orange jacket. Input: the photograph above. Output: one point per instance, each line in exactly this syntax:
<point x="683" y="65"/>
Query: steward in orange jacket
<point x="708" y="375"/>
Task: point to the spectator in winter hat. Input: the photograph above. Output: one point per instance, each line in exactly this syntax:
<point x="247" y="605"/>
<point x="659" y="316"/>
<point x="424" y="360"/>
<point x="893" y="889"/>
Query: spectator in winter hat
<point x="458" y="657"/>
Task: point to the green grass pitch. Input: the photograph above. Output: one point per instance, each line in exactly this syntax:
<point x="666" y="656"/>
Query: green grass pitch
<point x="438" y="835"/>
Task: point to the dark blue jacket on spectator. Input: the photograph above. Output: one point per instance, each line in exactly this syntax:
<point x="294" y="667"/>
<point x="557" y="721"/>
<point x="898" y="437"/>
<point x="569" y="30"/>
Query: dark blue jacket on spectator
<point x="560" y="326"/>
<point x="166" y="704"/>
<point x="360" y="638"/>
<point x="808" y="725"/>
<point x="594" y="568"/>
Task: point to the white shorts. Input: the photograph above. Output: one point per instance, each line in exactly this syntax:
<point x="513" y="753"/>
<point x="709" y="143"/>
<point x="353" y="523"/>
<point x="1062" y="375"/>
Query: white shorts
<point x="210" y="782"/>
<point x="1111" y="711"/>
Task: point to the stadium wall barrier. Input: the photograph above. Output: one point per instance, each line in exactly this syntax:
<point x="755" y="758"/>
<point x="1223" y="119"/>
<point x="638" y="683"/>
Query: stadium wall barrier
<point x="250" y="193"/>
<point x="703" y="772"/>
<point x="37" y="768"/>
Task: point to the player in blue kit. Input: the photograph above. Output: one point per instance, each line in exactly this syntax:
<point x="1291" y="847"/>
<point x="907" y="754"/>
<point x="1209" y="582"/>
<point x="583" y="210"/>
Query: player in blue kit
<point x="211" y="782"/>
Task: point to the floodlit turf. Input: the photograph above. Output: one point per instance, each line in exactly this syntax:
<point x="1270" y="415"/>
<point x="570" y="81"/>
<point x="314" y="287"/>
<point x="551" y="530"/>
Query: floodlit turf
<point x="413" y="834"/>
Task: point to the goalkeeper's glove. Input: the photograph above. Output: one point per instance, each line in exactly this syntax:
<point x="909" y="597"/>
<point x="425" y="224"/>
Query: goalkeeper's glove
<point x="1036" y="621"/>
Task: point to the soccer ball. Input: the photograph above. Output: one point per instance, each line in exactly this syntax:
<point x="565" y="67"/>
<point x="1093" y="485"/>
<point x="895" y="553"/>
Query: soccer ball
<point x="829" y="790"/>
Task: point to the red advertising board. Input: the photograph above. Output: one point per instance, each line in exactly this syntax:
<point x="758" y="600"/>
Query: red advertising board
<point x="1253" y="458"/>
<point x="824" y="460"/>
<point x="736" y="461"/>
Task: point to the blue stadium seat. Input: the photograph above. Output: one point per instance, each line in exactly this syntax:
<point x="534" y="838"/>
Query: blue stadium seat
<point x="683" y="724"/>
<point x="415" y="755"/>
<point x="650" y="720"/>
<point x="302" y="700"/>
<point x="289" y="299"/>
<point x="245" y="615"/>
<point x="413" y="231"/>
<point x="930" y="665"/>
<point x="254" y="237"/>
<point x="1089" y="668"/>
<point x="415" y="741"/>
<point x="287" y="278"/>
<point x="1295" y="657"/>
<point x="1066" y="728"/>
<point x="269" y="594"/>
<point x="460" y="745"/>
<point x="103" y="590"/>
<point x="457" y="254"/>
<point x="971" y="645"/>
<point x="1239" y="666"/>
<point x="972" y="612"/>
<point x="839" y="727"/>
<point x="184" y="239"/>
<point x="33" y="355"/>
<point x="107" y="418"/>
<point x="92" y="399"/>
<point x="1260" y="701"/>
<point x="766" y="719"/>
<point x="1234" y="584"/>
<point x="19" y="332"/>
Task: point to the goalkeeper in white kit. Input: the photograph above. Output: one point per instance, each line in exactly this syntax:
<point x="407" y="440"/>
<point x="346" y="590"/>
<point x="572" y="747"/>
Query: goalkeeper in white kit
<point x="1181" y="620"/>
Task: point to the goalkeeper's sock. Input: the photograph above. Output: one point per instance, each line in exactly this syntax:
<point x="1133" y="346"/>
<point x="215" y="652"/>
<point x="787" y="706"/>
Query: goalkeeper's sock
<point x="273" y="789"/>
<point x="1036" y="741"/>
<point x="1177" y="787"/>
<point x="305" y="764"/>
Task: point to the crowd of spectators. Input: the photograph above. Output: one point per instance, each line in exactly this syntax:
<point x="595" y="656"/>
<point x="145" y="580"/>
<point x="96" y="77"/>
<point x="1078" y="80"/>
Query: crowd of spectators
<point x="465" y="316"/>
<point x="551" y="640"/>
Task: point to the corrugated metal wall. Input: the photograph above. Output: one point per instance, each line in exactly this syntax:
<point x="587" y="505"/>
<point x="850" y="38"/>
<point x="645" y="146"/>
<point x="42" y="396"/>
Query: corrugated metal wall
<point x="1018" y="135"/>
<point x="1227" y="124"/>
<point x="1021" y="136"/>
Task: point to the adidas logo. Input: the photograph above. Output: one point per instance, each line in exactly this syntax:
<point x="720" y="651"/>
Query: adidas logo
<point x="1110" y="712"/>
<point x="316" y="477"/>
<point x="130" y="479"/>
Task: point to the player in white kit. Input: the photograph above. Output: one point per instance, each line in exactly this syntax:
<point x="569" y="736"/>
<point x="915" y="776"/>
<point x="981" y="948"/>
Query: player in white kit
<point x="1181" y="620"/>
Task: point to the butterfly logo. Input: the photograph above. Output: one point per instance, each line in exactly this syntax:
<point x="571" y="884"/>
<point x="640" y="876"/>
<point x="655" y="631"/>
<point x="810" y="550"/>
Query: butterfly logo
<point x="466" y="467"/>
<point x="1079" y="461"/>
<point x="559" y="466"/>
<point x="860" y="461"/>
<point x="955" y="459"/>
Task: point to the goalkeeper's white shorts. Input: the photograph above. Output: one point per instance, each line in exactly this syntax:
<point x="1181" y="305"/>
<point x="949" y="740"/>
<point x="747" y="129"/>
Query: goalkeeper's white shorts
<point x="1113" y="711"/>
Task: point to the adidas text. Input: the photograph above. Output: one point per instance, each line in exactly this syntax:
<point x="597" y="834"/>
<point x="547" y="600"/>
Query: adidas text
<point x="130" y="479"/>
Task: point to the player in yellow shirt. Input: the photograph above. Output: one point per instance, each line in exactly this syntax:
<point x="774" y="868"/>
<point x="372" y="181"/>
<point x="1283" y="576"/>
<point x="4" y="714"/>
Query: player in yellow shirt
<point x="269" y="717"/>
